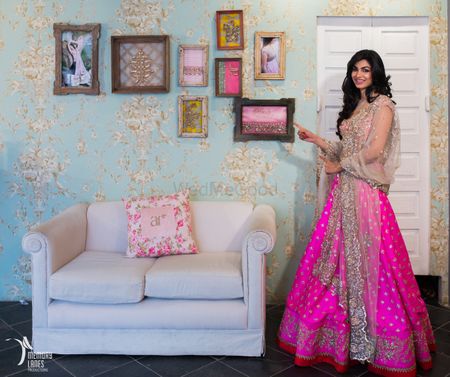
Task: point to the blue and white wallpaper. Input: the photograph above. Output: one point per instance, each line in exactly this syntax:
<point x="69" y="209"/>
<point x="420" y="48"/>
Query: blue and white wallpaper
<point x="59" y="150"/>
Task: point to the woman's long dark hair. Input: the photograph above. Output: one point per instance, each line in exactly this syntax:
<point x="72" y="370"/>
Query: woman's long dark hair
<point x="380" y="84"/>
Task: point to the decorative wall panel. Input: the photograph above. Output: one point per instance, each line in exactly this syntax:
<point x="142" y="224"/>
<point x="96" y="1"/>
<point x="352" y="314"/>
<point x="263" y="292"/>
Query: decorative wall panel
<point x="59" y="150"/>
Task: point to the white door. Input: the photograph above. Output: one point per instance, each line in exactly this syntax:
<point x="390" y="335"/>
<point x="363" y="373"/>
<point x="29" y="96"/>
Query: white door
<point x="402" y="43"/>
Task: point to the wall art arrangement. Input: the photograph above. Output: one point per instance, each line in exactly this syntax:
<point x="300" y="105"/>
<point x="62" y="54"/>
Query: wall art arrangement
<point x="76" y="59"/>
<point x="192" y="116"/>
<point x="270" y="55"/>
<point x="228" y="73"/>
<point x="258" y="119"/>
<point x="140" y="64"/>
<point x="193" y="65"/>
<point x="230" y="30"/>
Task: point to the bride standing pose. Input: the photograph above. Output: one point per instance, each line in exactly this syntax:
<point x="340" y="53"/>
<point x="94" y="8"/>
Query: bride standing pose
<point x="354" y="296"/>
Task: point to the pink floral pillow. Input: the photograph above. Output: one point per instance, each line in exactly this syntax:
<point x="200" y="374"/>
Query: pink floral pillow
<point x="159" y="225"/>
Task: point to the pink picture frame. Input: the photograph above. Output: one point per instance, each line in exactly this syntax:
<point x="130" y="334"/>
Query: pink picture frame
<point x="228" y="74"/>
<point x="193" y="65"/>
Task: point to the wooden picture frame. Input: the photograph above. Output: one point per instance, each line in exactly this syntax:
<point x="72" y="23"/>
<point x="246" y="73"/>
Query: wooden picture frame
<point x="192" y="116"/>
<point x="230" y="30"/>
<point x="140" y="64"/>
<point x="270" y="55"/>
<point x="228" y="75"/>
<point x="193" y="65"/>
<point x="76" y="59"/>
<point x="264" y="119"/>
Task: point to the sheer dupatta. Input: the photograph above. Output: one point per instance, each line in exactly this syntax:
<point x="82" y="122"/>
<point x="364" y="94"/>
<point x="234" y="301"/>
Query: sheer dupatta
<point x="369" y="156"/>
<point x="379" y="157"/>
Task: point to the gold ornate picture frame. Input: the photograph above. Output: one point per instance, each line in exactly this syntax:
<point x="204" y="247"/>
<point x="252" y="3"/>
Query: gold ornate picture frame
<point x="193" y="65"/>
<point x="76" y="59"/>
<point x="230" y="30"/>
<point x="140" y="64"/>
<point x="192" y="116"/>
<point x="270" y="55"/>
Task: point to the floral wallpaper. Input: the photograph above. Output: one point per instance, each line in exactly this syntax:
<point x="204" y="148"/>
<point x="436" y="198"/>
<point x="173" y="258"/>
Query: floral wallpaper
<point x="59" y="150"/>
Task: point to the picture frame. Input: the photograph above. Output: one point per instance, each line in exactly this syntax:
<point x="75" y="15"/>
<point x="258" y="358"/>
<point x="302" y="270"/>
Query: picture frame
<point x="76" y="59"/>
<point x="140" y="64"/>
<point x="228" y="76"/>
<point x="192" y="116"/>
<point x="193" y="65"/>
<point x="270" y="55"/>
<point x="230" y="30"/>
<point x="264" y="119"/>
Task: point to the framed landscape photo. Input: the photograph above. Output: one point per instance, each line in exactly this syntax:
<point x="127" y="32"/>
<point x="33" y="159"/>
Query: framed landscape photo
<point x="140" y="64"/>
<point x="193" y="65"/>
<point x="264" y="119"/>
<point x="228" y="74"/>
<point x="270" y="55"/>
<point x="192" y="116"/>
<point x="230" y="30"/>
<point x="76" y="59"/>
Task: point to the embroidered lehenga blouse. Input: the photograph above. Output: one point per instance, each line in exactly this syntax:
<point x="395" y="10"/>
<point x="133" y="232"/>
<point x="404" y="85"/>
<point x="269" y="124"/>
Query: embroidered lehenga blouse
<point x="354" y="297"/>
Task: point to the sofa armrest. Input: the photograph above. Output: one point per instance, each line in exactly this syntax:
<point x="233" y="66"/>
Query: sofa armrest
<point x="53" y="244"/>
<point x="63" y="237"/>
<point x="260" y="240"/>
<point x="262" y="233"/>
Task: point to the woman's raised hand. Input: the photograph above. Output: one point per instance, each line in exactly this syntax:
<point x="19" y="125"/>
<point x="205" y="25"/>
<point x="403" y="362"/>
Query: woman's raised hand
<point x="305" y="134"/>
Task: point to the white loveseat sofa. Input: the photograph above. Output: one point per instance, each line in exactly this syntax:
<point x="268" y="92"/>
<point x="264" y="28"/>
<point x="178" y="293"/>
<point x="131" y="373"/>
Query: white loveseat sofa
<point x="89" y="298"/>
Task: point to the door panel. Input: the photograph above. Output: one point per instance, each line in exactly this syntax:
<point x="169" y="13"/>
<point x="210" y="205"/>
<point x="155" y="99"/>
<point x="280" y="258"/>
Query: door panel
<point x="402" y="42"/>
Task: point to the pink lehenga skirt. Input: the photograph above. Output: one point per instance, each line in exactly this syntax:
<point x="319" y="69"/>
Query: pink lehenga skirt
<point x="354" y="297"/>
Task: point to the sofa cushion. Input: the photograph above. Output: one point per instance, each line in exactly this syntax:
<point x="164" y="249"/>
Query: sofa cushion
<point x="100" y="277"/>
<point x="159" y="225"/>
<point x="220" y="226"/>
<point x="212" y="276"/>
<point x="107" y="227"/>
<point x="150" y="313"/>
<point x="217" y="226"/>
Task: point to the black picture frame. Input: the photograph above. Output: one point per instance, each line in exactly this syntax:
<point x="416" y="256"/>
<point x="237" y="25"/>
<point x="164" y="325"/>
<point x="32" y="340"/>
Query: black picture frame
<point x="249" y="127"/>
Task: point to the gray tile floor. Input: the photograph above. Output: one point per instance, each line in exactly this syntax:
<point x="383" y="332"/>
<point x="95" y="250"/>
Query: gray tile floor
<point x="15" y="322"/>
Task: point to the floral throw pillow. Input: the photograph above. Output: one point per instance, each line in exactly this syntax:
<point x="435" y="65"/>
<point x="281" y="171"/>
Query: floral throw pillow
<point x="159" y="225"/>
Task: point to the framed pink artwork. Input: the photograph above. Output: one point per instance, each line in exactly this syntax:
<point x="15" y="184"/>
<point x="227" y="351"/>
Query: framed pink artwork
<point x="228" y="72"/>
<point x="193" y="65"/>
<point x="264" y="119"/>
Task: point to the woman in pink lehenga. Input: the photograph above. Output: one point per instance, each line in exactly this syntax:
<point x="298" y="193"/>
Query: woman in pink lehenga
<point x="354" y="297"/>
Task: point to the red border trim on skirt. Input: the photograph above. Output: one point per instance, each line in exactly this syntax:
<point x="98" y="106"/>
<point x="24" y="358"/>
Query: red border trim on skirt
<point x="342" y="368"/>
<point x="303" y="362"/>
